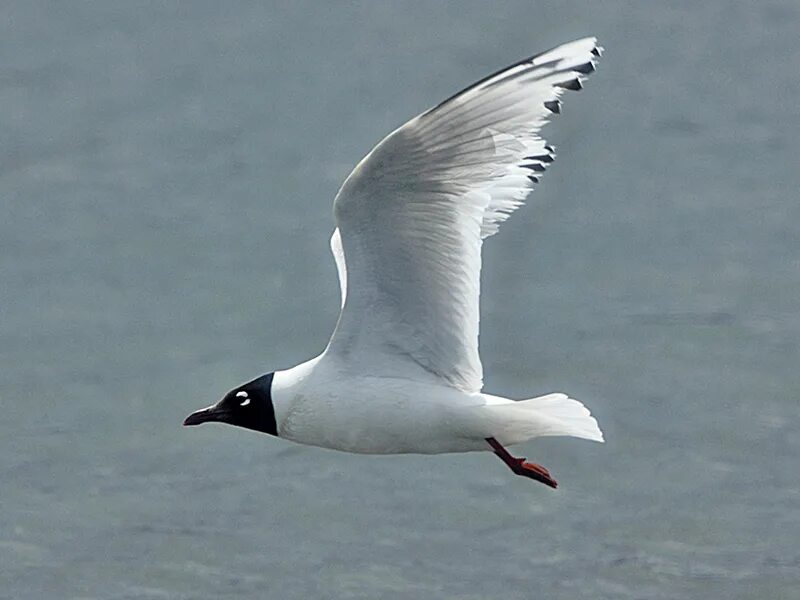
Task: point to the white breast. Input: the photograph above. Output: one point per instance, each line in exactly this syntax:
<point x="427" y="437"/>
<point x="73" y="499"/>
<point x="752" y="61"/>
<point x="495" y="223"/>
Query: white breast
<point x="318" y="404"/>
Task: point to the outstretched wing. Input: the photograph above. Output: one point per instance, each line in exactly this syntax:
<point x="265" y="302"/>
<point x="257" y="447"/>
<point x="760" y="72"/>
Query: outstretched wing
<point x="413" y="213"/>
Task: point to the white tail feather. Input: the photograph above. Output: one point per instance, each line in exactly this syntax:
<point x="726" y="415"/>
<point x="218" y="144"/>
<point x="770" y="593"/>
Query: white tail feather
<point x="553" y="414"/>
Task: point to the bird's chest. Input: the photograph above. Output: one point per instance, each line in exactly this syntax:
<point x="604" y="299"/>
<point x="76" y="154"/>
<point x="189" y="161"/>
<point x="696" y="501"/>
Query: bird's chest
<point x="368" y="419"/>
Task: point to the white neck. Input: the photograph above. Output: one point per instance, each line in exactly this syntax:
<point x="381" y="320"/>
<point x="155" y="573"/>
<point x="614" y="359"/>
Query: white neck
<point x="286" y="385"/>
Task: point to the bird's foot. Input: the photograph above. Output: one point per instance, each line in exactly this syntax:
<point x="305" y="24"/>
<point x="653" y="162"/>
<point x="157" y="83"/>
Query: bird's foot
<point x="519" y="467"/>
<point x="534" y="471"/>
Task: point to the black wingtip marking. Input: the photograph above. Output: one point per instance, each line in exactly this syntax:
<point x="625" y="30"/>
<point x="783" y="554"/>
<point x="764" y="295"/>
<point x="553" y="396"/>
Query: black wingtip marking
<point x="538" y="167"/>
<point x="550" y="148"/>
<point x="572" y="84"/>
<point x="585" y="68"/>
<point x="597" y="51"/>
<point x="533" y="178"/>
<point x="545" y="158"/>
<point x="553" y="106"/>
<point x="531" y="60"/>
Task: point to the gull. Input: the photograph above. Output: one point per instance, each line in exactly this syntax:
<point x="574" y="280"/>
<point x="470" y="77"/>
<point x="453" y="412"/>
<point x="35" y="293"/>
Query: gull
<point x="401" y="372"/>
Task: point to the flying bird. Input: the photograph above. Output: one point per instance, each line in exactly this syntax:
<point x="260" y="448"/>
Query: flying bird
<point x="401" y="372"/>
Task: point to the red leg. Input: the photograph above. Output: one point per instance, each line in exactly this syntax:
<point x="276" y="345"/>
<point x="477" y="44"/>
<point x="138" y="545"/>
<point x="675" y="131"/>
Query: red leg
<point x="520" y="467"/>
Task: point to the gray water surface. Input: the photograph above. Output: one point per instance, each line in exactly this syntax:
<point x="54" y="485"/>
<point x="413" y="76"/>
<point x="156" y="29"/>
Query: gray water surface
<point x="166" y="178"/>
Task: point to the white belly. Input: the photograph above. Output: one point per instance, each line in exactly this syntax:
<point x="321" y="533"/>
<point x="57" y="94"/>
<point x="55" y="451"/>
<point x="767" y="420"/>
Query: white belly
<point x="377" y="415"/>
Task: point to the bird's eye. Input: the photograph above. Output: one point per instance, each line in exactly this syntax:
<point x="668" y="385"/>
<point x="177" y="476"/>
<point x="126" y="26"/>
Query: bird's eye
<point x="246" y="400"/>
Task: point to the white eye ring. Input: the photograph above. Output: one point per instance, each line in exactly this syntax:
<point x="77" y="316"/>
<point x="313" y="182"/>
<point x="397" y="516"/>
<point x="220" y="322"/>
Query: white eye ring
<point x="243" y="394"/>
<point x="246" y="402"/>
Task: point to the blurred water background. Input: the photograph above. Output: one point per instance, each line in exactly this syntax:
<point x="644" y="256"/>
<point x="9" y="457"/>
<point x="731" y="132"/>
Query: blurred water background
<point x="166" y="177"/>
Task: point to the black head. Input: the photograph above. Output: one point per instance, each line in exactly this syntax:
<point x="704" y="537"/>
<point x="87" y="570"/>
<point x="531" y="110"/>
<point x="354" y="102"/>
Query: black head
<point x="249" y="406"/>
